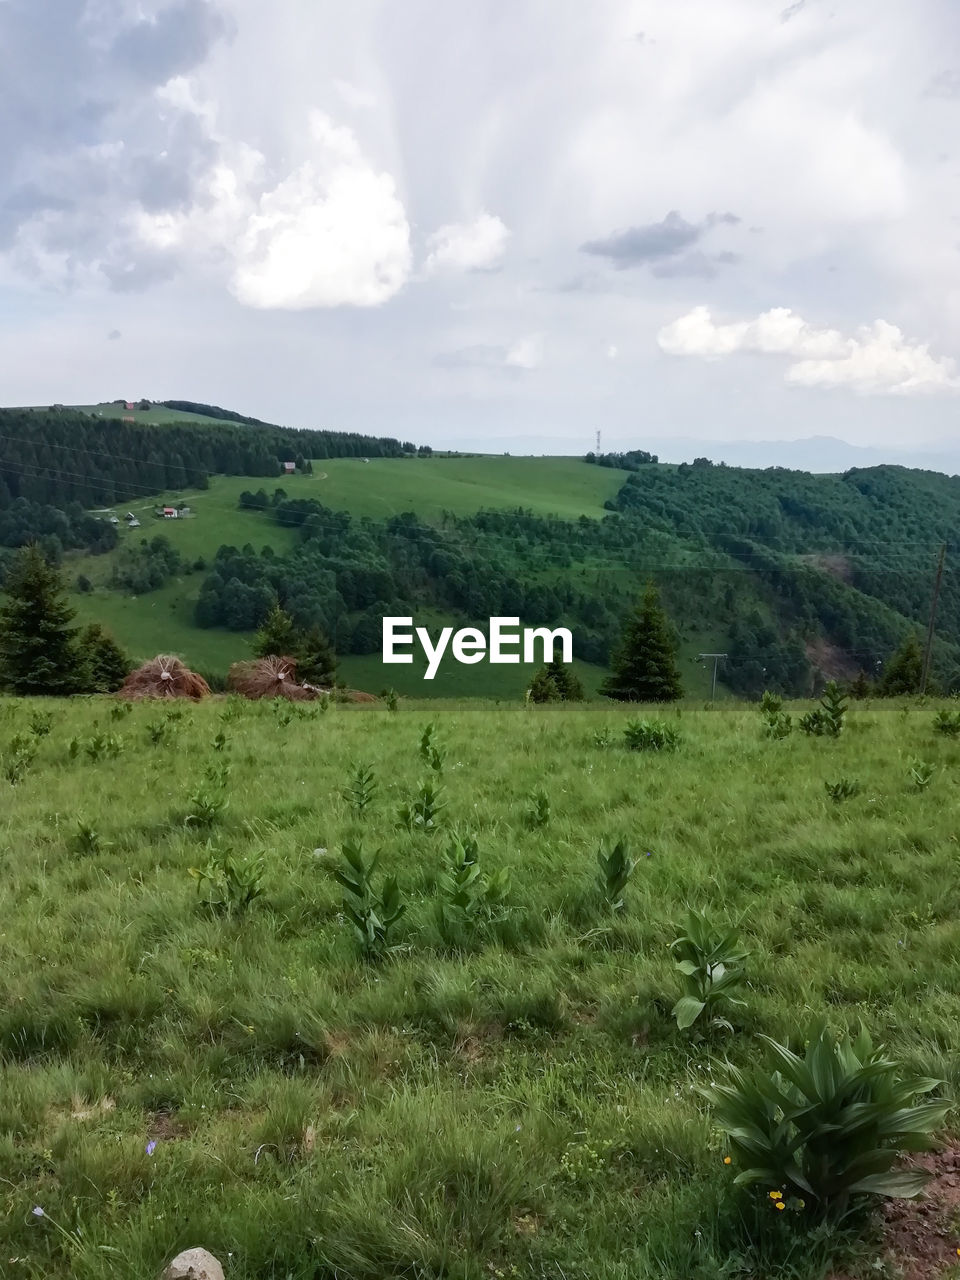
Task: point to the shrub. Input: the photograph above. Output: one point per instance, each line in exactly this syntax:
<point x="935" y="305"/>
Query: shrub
<point x="829" y="1125"/>
<point x="616" y="868"/>
<point x="827" y="719"/>
<point x="711" y="962"/>
<point x="651" y="735"/>
<point x="374" y="917"/>
<point x="41" y="722"/>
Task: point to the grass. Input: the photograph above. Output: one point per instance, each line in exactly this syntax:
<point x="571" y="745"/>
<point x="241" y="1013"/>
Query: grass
<point x="157" y="413"/>
<point x="522" y="1106"/>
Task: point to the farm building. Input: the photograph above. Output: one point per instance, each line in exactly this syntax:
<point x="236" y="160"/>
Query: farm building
<point x="169" y="513"/>
<point x="289" y="468"/>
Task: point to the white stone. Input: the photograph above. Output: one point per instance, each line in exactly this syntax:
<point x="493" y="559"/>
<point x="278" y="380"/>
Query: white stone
<point x="194" y="1264"/>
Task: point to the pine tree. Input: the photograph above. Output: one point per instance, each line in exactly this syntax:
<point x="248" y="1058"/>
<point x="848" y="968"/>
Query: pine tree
<point x="542" y="688"/>
<point x="644" y="666"/>
<point x="567" y="684"/>
<point x="279" y="637"/>
<point x="904" y="672"/>
<point x="317" y="662"/>
<point x="39" y="653"/>
<point x="106" y="664"/>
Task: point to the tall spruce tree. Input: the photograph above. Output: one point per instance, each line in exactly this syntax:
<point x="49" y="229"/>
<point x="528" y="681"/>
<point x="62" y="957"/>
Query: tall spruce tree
<point x="39" y="652"/>
<point x="903" y="674"/>
<point x="645" y="665"/>
<point x="279" y="637"/>
<point x="107" y="666"/>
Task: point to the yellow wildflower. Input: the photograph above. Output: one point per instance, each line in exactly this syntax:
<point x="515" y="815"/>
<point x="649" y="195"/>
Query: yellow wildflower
<point x="776" y="1195"/>
<point x="780" y="1204"/>
<point x="726" y="1160"/>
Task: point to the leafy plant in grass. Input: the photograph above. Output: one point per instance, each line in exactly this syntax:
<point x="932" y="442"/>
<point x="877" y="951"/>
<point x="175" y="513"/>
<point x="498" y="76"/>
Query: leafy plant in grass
<point x="842" y="789"/>
<point x="217" y="775"/>
<point x="361" y="790"/>
<point x="233" y="709"/>
<point x="538" y="811"/>
<point x="392" y="700"/>
<point x="206" y="809"/>
<point x="947" y="723"/>
<point x="41" y="722"/>
<point x="651" y="735"/>
<point x="827" y="719"/>
<point x="220" y="741"/>
<point x="426" y="741"/>
<point x="374" y="916"/>
<point x="602" y="738"/>
<point x="229" y="884"/>
<point x="103" y="746"/>
<point x="922" y="773"/>
<point x="710" y="960"/>
<point x="158" y="732"/>
<point x="468" y="896"/>
<point x="437" y="759"/>
<point x="423" y="814"/>
<point x="18" y="758"/>
<point x="86" y="840"/>
<point x="777" y="724"/>
<point x="616" y="868"/>
<point x="120" y="710"/>
<point x="829" y="1125"/>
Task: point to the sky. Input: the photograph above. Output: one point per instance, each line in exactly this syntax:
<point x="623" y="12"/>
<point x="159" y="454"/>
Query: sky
<point x="497" y="226"/>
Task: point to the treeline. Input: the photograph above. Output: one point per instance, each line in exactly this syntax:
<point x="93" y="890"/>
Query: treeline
<point x="632" y="460"/>
<point x="53" y="529"/>
<point x="58" y="457"/>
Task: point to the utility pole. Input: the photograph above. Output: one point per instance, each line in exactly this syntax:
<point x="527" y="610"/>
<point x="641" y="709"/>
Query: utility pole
<point x="598" y="443"/>
<point x="717" y="658"/>
<point x="928" y="651"/>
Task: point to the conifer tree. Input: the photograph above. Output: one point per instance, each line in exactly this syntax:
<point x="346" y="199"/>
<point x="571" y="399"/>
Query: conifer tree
<point x="107" y="666"/>
<point x="279" y="637"/>
<point x="645" y="665"/>
<point x="568" y="684"/>
<point x="39" y="653"/>
<point x="542" y="688"/>
<point x="282" y="638"/>
<point x="904" y="672"/>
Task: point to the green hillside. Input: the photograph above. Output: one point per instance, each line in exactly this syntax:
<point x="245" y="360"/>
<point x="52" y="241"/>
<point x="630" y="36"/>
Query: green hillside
<point x="505" y="1094"/>
<point x="795" y="577"/>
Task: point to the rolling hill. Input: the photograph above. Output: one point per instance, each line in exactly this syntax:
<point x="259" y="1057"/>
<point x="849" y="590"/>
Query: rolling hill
<point x="788" y="574"/>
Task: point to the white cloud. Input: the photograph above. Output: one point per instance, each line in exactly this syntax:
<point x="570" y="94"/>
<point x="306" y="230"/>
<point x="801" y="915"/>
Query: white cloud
<point x="333" y="233"/>
<point x="876" y="360"/>
<point x="468" y="246"/>
<point x="525" y="353"/>
<point x="612" y="352"/>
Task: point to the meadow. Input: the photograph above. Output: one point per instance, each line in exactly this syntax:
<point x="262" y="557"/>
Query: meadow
<point x="184" y="1061"/>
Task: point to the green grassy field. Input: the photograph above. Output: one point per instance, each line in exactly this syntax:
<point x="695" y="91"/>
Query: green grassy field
<point x="520" y="1105"/>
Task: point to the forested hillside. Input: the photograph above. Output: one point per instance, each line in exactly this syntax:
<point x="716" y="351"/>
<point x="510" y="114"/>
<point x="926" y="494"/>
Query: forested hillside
<point x="788" y="573"/>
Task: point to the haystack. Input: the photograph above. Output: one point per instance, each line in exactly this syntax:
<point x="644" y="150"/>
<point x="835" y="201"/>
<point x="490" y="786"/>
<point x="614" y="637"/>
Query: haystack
<point x="164" y="677"/>
<point x="269" y="678"/>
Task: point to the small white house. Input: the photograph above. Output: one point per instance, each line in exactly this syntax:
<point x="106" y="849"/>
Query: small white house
<point x="133" y="523"/>
<point x="170" y="513"/>
<point x="289" y="468"/>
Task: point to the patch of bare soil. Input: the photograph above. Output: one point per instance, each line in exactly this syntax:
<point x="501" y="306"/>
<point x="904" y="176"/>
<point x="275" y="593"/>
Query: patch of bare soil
<point x="833" y="662"/>
<point x="921" y="1237"/>
<point x="923" y="1234"/>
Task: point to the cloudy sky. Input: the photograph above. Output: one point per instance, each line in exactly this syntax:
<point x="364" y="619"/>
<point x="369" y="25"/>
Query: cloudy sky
<point x="489" y="224"/>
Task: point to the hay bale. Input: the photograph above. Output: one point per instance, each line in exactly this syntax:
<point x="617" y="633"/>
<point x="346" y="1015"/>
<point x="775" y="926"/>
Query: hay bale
<point x="164" y="677"/>
<point x="270" y="677"/>
<point x="357" y="695"/>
